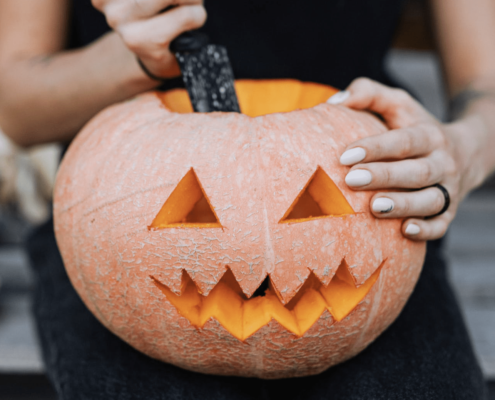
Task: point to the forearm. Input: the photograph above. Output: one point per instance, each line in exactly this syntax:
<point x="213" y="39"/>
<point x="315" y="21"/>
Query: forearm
<point x="465" y="31"/>
<point x="474" y="132"/>
<point x="49" y="98"/>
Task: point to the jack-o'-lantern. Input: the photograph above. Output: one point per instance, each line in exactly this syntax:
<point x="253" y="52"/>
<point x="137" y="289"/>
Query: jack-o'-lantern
<point x="228" y="243"/>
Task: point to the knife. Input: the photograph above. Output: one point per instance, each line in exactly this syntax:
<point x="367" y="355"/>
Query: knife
<point x="206" y="72"/>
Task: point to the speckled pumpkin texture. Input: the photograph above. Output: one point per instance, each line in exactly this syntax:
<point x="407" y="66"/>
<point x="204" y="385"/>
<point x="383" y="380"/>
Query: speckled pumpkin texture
<point x="125" y="164"/>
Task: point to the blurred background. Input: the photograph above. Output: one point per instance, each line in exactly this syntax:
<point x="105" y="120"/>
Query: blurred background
<point x="26" y="183"/>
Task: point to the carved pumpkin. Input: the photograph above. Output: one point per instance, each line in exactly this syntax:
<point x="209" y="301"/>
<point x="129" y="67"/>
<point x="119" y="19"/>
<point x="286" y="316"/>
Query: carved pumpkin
<point x="228" y="243"/>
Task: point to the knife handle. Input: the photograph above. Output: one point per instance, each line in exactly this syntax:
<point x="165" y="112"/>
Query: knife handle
<point x="189" y="42"/>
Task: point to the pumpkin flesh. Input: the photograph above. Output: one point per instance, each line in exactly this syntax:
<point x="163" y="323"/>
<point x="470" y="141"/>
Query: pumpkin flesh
<point x="260" y="97"/>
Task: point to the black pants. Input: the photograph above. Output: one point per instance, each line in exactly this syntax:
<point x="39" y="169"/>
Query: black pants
<point x="424" y="354"/>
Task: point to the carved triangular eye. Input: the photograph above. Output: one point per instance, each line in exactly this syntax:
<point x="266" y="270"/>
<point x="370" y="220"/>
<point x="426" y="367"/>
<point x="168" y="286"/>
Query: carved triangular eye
<point x="320" y="198"/>
<point x="187" y="207"/>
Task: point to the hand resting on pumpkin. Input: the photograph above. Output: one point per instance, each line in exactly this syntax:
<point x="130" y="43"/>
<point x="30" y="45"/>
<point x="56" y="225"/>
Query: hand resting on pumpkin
<point x="417" y="152"/>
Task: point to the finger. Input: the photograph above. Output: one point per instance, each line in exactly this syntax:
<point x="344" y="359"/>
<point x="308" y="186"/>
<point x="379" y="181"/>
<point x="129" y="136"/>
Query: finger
<point x="407" y="174"/>
<point x="150" y="38"/>
<point x="396" y="106"/>
<point x="420" y="229"/>
<point x="396" y="144"/>
<point x="421" y="203"/>
<point x="121" y="12"/>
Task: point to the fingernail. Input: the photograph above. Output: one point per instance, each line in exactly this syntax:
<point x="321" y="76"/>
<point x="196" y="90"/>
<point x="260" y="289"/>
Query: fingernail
<point x="339" y="97"/>
<point x="382" y="205"/>
<point x="412" y="229"/>
<point x="358" y="177"/>
<point x="353" y="156"/>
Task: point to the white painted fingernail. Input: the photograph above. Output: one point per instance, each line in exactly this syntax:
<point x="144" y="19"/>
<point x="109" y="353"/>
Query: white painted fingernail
<point x="339" y="97"/>
<point x="412" y="229"/>
<point x="358" y="177"/>
<point x="383" y="205"/>
<point x="353" y="156"/>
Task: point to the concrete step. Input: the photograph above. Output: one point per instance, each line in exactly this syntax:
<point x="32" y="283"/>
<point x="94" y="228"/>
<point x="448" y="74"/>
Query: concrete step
<point x="19" y="349"/>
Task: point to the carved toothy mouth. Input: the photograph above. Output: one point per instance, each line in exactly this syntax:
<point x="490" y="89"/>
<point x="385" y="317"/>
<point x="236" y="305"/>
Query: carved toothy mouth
<point x="242" y="316"/>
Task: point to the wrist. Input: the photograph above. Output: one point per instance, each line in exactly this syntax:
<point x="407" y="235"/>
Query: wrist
<point x="119" y="68"/>
<point x="469" y="138"/>
<point x="134" y="78"/>
<point x="148" y="72"/>
<point x="459" y="105"/>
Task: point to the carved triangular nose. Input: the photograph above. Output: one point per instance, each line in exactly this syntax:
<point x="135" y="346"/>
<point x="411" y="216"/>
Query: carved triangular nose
<point x="187" y="206"/>
<point x="320" y="198"/>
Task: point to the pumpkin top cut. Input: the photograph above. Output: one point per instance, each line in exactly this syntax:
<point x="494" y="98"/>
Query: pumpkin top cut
<point x="261" y="97"/>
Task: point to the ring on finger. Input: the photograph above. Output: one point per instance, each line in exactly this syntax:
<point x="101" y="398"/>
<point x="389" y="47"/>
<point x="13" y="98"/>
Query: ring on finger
<point x="446" y="203"/>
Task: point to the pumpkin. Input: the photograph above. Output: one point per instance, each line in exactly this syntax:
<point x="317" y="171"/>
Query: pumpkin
<point x="228" y="243"/>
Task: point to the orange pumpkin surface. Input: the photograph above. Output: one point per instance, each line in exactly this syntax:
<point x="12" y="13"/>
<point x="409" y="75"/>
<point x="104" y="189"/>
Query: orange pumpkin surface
<point x="229" y="243"/>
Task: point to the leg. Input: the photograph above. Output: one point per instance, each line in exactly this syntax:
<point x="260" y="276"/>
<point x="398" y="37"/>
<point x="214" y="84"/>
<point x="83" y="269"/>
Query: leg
<point x="425" y="354"/>
<point x="87" y="362"/>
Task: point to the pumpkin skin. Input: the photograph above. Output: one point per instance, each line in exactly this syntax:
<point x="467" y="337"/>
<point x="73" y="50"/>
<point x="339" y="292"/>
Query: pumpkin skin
<point x="132" y="256"/>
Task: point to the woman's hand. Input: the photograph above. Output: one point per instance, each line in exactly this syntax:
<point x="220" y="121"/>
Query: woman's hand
<point x="147" y="30"/>
<point x="415" y="154"/>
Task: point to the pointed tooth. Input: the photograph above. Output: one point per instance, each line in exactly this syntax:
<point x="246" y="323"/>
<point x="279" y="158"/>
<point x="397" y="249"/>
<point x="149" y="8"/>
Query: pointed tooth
<point x="309" y="309"/>
<point x="188" y="304"/>
<point x="206" y="280"/>
<point x="342" y="295"/>
<point x="318" y="245"/>
<point x="249" y="280"/>
<point x="289" y="280"/>
<point x="281" y="314"/>
<point x="228" y="313"/>
<point x="364" y="254"/>
<point x="172" y="280"/>
<point x="254" y="307"/>
<point x="334" y="249"/>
